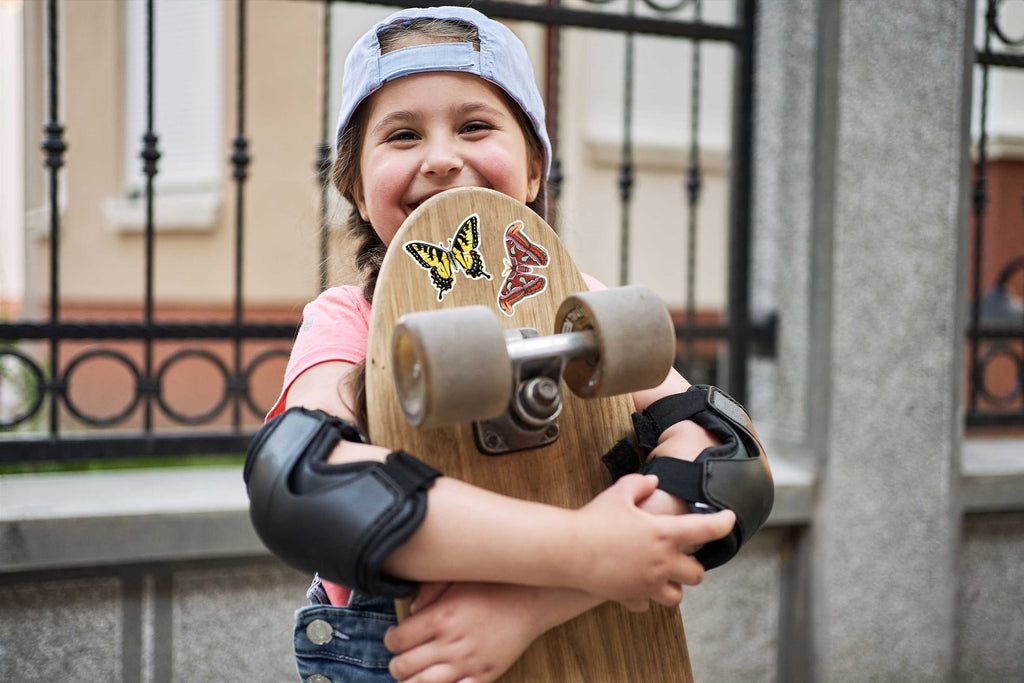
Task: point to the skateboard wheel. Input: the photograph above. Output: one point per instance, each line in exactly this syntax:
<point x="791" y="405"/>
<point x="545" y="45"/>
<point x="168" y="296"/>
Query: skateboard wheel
<point x="635" y="340"/>
<point x="451" y="366"/>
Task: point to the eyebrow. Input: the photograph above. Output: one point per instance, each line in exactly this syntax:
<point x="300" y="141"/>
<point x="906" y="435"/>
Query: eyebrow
<point x="404" y="115"/>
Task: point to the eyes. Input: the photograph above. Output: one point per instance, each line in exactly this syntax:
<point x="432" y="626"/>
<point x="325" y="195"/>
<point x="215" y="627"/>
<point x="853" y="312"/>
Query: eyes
<point x="469" y="130"/>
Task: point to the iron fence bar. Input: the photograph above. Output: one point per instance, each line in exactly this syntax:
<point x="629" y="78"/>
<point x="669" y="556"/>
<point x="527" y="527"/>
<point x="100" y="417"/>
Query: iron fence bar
<point x="240" y="158"/>
<point x="54" y="147"/>
<point x="323" y="162"/>
<point x="85" y="446"/>
<point x="552" y="83"/>
<point x="742" y="189"/>
<point x="563" y="16"/>
<point x="626" y="166"/>
<point x="981" y="420"/>
<point x="979" y="200"/>
<point x="987" y="58"/>
<point x="150" y="155"/>
<point x="139" y="331"/>
<point x="693" y="182"/>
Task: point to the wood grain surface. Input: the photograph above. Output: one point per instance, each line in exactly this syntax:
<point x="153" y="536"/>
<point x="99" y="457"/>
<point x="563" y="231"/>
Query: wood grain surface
<point x="608" y="643"/>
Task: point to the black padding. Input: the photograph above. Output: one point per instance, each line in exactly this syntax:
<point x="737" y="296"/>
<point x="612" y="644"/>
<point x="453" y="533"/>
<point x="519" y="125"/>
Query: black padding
<point x="733" y="475"/>
<point x="341" y="521"/>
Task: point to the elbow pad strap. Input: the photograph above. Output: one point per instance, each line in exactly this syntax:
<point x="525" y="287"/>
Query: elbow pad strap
<point x="734" y="475"/>
<point x="342" y="521"/>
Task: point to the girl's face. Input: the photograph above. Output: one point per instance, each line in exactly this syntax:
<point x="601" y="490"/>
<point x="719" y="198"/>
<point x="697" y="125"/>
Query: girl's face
<point x="431" y="132"/>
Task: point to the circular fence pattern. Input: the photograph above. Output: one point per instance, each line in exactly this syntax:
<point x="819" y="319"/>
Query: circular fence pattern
<point x="24" y="386"/>
<point x="21" y="382"/>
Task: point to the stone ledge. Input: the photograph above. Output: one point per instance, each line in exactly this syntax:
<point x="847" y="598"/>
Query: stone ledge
<point x="99" y="518"/>
<point x="102" y="518"/>
<point x="993" y="475"/>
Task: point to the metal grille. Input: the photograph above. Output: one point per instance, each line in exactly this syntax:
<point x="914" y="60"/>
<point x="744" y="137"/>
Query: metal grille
<point x="39" y="361"/>
<point x="996" y="328"/>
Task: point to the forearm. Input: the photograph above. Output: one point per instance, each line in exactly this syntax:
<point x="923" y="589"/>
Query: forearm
<point x="610" y="547"/>
<point x="471" y="534"/>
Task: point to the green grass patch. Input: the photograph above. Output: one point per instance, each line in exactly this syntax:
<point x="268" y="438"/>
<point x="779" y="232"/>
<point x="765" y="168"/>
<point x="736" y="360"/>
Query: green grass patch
<point x="161" y="462"/>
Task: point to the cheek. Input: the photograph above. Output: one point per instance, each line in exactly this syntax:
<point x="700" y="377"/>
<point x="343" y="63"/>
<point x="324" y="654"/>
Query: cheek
<point x="383" y="186"/>
<point x="508" y="173"/>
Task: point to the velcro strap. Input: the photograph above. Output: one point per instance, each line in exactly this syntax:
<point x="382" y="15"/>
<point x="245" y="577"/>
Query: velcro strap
<point x="681" y="478"/>
<point x="408" y="473"/>
<point x="669" y="410"/>
<point x="622" y="459"/>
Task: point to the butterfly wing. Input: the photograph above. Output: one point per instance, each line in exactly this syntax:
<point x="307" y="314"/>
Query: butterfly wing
<point x="521" y="250"/>
<point x="518" y="286"/>
<point x="465" y="248"/>
<point x="435" y="259"/>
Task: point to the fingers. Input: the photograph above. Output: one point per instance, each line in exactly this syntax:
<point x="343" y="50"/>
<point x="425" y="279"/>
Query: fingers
<point x="428" y="593"/>
<point x="409" y="634"/>
<point x="706" y="528"/>
<point x="416" y="663"/>
<point x="438" y="673"/>
<point x="671" y="595"/>
<point x="637" y="605"/>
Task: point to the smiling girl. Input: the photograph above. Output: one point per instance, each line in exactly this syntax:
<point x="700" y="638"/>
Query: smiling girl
<point x="434" y="99"/>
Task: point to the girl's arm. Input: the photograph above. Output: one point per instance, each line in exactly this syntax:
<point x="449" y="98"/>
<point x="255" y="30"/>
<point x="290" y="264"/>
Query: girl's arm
<point x="450" y="635"/>
<point x="609" y="548"/>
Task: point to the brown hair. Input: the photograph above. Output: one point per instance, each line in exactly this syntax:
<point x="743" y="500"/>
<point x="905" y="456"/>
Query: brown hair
<point x="346" y="173"/>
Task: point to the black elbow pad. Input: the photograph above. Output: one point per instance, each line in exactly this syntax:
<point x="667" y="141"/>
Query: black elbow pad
<point x="339" y="520"/>
<point x="733" y="476"/>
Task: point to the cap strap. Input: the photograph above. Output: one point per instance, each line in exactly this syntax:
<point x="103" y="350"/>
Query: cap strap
<point x="432" y="57"/>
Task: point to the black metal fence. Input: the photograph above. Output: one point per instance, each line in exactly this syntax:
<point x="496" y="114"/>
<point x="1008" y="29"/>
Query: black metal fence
<point x="38" y="359"/>
<point x="996" y="327"/>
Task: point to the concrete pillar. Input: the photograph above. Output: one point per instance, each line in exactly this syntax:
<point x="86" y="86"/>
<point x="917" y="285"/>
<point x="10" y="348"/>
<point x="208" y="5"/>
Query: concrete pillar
<point x="860" y="220"/>
<point x="887" y="333"/>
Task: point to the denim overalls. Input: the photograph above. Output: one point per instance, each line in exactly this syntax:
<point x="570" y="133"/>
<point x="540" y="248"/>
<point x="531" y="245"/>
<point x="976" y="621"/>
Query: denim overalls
<point x="343" y="644"/>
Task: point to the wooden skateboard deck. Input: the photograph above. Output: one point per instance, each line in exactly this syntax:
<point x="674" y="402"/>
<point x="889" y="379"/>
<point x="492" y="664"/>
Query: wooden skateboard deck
<point x="608" y="643"/>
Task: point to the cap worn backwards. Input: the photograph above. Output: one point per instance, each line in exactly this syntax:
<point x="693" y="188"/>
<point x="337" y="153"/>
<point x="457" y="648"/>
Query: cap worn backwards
<point x="502" y="59"/>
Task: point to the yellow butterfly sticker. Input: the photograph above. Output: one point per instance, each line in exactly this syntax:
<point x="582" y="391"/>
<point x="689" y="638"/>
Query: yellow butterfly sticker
<point x="443" y="262"/>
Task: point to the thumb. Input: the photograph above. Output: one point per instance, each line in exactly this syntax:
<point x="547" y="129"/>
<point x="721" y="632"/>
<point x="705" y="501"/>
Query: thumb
<point x="719" y="524"/>
<point x="637" y="486"/>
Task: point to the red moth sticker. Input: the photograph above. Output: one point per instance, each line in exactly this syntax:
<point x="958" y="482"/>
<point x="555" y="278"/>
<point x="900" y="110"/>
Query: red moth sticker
<point x="521" y="256"/>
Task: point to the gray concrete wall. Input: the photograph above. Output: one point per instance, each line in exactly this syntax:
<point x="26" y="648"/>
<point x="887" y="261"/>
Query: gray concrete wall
<point x="230" y="620"/>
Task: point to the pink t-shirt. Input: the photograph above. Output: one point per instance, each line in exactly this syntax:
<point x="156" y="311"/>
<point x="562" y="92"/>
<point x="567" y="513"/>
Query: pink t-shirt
<point x="335" y="327"/>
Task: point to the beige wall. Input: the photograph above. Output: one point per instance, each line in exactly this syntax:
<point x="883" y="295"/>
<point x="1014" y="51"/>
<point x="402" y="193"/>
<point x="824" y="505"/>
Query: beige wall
<point x="283" y="122"/>
<point x="101" y="263"/>
<point x="12" y="248"/>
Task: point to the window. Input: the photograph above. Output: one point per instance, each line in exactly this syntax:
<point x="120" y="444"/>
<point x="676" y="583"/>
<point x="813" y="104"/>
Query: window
<point x="188" y="114"/>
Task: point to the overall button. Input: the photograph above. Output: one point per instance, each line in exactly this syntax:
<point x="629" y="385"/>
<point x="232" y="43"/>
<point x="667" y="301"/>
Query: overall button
<point x="318" y="678"/>
<point x="319" y="632"/>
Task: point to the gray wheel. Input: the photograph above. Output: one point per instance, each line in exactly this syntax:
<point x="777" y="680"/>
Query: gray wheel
<point x="451" y="366"/>
<point x="634" y="335"/>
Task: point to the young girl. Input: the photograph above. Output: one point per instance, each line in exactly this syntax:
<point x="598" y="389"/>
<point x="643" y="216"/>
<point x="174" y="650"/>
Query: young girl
<point x="434" y="99"/>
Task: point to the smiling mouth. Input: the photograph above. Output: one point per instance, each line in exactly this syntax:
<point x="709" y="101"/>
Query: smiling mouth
<point x="416" y="205"/>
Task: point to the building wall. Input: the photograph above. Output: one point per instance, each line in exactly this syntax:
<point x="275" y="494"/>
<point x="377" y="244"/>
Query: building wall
<point x="284" y="116"/>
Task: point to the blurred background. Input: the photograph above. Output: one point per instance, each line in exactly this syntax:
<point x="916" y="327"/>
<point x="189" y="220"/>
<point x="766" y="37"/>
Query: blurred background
<point x="828" y="194"/>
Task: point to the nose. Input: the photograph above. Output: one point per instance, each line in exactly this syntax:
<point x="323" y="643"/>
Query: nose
<point x="441" y="159"/>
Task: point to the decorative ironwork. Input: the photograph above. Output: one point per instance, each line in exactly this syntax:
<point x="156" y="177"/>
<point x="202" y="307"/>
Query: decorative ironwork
<point x="996" y="326"/>
<point x="149" y="352"/>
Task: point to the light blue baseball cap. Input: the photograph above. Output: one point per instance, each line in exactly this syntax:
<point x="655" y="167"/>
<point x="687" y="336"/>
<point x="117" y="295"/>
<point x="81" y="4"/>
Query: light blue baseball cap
<point x="502" y="59"/>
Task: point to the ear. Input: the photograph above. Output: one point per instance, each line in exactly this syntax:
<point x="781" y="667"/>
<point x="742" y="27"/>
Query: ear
<point x="535" y="176"/>
<point x="360" y="200"/>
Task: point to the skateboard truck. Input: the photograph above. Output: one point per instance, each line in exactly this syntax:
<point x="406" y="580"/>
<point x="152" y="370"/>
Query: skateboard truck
<point x="458" y="365"/>
<point x="531" y="418"/>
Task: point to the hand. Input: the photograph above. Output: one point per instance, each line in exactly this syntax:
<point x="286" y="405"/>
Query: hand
<point x="631" y="556"/>
<point x="453" y="634"/>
